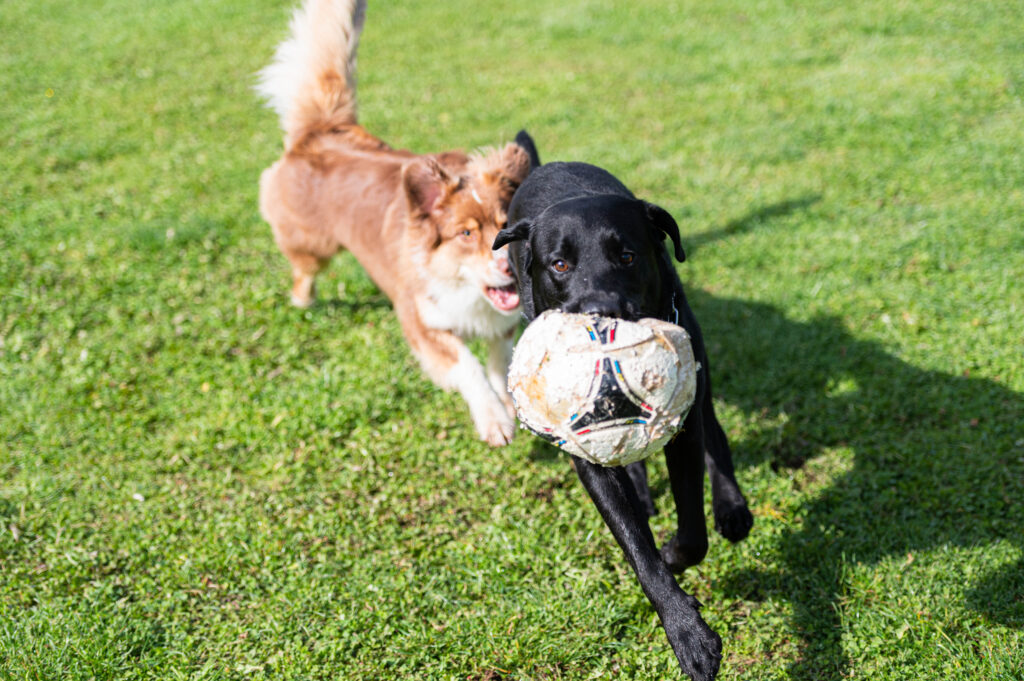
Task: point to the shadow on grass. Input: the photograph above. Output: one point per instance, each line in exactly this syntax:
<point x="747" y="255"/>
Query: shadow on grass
<point x="749" y="221"/>
<point x="544" y="451"/>
<point x="937" y="462"/>
<point x="354" y="307"/>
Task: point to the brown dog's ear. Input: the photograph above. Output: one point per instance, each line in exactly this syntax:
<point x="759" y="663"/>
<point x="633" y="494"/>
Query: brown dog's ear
<point x="517" y="232"/>
<point x="510" y="166"/>
<point x="427" y="184"/>
<point x="667" y="224"/>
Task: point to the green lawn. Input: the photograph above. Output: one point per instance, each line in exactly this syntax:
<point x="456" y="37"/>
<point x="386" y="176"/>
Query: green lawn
<point x="199" y="481"/>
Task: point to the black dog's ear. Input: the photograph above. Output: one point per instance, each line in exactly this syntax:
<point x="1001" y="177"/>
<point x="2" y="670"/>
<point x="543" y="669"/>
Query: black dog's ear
<point x="524" y="140"/>
<point x="517" y="232"/>
<point x="667" y="224"/>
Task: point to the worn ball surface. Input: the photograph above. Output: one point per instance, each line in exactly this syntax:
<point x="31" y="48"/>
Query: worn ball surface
<point x="608" y="390"/>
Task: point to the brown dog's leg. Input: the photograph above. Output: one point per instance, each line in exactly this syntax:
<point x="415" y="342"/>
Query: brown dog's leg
<point x="451" y="365"/>
<point x="499" y="354"/>
<point x="304" y="270"/>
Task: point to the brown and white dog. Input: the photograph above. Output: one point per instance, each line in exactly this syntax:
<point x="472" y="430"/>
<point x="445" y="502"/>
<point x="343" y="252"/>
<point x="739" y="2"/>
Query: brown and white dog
<point x="421" y="225"/>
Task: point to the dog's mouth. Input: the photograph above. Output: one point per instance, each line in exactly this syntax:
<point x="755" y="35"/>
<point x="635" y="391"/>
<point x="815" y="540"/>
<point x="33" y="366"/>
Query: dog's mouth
<point x="504" y="298"/>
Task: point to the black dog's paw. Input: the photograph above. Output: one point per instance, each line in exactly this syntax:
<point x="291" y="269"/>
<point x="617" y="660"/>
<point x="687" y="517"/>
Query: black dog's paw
<point x="733" y="520"/>
<point x="697" y="647"/>
<point x="679" y="555"/>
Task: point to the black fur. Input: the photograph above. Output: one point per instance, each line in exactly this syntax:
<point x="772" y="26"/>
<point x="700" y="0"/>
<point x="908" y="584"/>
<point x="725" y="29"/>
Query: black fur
<point x="581" y="242"/>
<point x="524" y="140"/>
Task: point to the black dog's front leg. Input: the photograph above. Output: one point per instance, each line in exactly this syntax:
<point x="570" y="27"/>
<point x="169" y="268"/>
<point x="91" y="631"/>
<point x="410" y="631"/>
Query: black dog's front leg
<point x="697" y="647"/>
<point x="733" y="519"/>
<point x="684" y="456"/>
<point x="638" y="474"/>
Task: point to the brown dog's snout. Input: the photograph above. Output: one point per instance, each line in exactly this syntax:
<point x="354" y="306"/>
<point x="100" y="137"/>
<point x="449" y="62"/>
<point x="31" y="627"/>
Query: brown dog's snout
<point x="502" y="265"/>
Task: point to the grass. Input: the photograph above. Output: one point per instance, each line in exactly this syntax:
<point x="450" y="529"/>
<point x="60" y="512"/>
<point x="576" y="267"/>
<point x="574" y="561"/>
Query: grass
<point x="199" y="481"/>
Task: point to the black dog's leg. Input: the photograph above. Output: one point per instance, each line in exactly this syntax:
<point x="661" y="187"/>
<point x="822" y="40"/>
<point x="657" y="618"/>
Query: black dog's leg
<point x="732" y="516"/>
<point x="685" y="458"/>
<point x="638" y="474"/>
<point x="697" y="647"/>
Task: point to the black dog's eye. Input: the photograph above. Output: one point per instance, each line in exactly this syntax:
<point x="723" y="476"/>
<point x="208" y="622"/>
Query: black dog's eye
<point x="560" y="266"/>
<point x="626" y="258"/>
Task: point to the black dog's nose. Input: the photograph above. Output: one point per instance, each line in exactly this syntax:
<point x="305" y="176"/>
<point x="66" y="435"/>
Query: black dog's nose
<point x="603" y="307"/>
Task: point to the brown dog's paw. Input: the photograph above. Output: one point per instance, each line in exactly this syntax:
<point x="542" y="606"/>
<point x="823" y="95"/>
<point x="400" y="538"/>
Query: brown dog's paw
<point x="498" y="430"/>
<point x="510" y="406"/>
<point x="303" y="288"/>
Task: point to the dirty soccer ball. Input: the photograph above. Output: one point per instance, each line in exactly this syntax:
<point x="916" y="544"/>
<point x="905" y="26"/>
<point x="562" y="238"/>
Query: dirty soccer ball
<point x="607" y="390"/>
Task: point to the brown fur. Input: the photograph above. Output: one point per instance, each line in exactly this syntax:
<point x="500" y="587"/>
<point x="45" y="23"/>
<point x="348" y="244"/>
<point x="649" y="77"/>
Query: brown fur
<point x="421" y="225"/>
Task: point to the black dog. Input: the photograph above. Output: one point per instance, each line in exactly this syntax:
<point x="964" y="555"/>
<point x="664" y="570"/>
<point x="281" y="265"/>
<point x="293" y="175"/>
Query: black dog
<point x="581" y="242"/>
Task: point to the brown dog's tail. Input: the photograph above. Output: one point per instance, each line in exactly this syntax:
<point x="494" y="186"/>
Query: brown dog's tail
<point x="311" y="83"/>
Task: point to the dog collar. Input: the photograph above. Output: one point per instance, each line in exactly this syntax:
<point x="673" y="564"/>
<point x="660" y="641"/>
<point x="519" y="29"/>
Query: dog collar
<point x="674" y="318"/>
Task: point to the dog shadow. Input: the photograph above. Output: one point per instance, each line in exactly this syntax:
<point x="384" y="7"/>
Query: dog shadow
<point x="936" y="461"/>
<point x="354" y="307"/>
<point x="543" y="451"/>
<point x="750" y="221"/>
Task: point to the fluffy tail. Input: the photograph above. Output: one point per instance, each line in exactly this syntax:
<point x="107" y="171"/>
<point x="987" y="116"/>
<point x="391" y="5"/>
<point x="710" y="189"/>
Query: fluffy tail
<point x="312" y="81"/>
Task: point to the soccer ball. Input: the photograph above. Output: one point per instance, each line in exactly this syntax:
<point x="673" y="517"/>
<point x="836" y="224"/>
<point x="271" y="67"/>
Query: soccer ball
<point x="607" y="390"/>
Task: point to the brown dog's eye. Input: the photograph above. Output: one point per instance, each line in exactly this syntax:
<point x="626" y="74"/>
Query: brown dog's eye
<point x="560" y="266"/>
<point x="468" y="231"/>
<point x="626" y="258"/>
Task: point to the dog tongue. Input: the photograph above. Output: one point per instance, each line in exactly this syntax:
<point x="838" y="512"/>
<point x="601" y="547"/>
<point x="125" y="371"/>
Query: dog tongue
<point x="504" y="298"/>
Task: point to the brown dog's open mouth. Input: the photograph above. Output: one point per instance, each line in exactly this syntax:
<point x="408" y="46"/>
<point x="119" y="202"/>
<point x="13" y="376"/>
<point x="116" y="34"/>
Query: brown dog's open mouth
<point x="505" y="298"/>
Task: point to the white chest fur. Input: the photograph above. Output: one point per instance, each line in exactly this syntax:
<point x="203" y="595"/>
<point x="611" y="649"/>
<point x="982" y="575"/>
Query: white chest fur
<point x="463" y="310"/>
